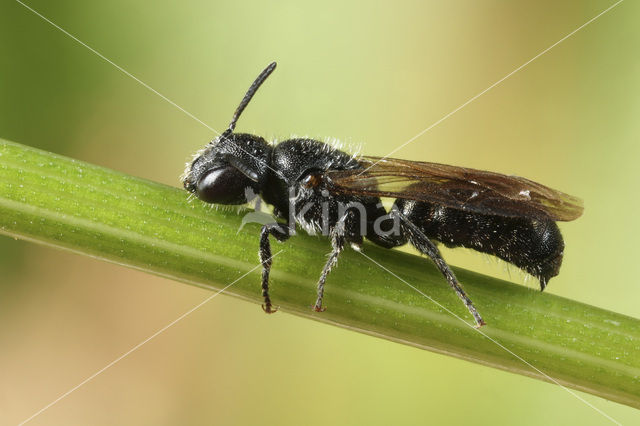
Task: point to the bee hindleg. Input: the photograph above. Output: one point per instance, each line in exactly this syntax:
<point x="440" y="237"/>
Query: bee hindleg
<point x="282" y="233"/>
<point x="419" y="240"/>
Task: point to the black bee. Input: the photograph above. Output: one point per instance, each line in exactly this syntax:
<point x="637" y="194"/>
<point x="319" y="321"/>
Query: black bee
<point x="323" y="189"/>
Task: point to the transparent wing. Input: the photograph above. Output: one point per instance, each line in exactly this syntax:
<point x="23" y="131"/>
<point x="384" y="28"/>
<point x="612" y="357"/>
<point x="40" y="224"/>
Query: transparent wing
<point x="457" y="187"/>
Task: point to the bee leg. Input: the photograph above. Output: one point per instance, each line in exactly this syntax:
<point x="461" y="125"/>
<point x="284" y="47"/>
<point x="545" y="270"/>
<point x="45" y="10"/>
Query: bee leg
<point x="420" y="241"/>
<point x="282" y="233"/>
<point x="337" y="244"/>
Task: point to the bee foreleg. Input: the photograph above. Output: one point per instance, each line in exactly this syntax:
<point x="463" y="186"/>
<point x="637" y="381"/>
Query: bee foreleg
<point x="281" y="232"/>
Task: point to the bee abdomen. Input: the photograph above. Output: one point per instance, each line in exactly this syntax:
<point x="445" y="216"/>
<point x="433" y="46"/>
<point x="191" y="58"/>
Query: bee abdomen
<point x="533" y="245"/>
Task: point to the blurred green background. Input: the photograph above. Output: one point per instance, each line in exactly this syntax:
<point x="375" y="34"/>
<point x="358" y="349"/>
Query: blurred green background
<point x="372" y="74"/>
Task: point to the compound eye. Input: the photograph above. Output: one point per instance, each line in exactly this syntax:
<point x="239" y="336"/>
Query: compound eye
<point x="225" y="185"/>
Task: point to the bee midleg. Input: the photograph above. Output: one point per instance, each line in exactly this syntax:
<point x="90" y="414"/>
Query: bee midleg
<point x="337" y="243"/>
<point x="419" y="240"/>
<point x="281" y="232"/>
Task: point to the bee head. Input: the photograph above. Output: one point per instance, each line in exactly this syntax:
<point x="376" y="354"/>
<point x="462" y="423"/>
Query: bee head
<point x="232" y="169"/>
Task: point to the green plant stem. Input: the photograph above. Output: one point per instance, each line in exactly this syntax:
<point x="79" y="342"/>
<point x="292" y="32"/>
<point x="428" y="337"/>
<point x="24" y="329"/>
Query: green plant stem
<point x="81" y="207"/>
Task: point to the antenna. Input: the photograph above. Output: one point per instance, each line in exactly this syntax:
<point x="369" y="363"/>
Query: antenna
<point x="247" y="97"/>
